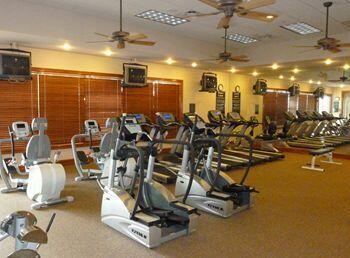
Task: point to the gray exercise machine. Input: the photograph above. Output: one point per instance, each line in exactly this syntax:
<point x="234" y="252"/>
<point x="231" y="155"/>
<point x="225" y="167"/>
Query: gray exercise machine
<point x="22" y="226"/>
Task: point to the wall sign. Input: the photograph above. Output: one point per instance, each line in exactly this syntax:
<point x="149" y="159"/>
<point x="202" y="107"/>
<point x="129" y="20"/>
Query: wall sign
<point x="220" y="98"/>
<point x="236" y="100"/>
<point x="336" y="105"/>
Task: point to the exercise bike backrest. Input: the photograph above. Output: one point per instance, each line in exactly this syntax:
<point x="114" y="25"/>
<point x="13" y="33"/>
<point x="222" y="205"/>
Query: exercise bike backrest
<point x="109" y="139"/>
<point x="39" y="146"/>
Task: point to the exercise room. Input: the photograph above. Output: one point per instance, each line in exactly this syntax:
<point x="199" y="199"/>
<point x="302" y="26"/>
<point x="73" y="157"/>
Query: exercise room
<point x="174" y="128"/>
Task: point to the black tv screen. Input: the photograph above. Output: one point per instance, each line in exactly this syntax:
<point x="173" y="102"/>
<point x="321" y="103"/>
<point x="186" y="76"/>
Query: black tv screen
<point x="209" y="82"/>
<point x="135" y="75"/>
<point x="15" y="65"/>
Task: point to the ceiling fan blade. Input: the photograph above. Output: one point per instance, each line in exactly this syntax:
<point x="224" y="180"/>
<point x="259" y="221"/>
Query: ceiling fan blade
<point x="258" y="16"/>
<point x="222" y="61"/>
<point x="334" y="80"/>
<point x="211" y="3"/>
<point x="334" y="50"/>
<point x="200" y="15"/>
<point x="242" y="58"/>
<point x="344" y="45"/>
<point x="224" y="22"/>
<point x="135" y="36"/>
<point x="104" y="35"/>
<point x="210" y="60"/>
<point x="308" y="46"/>
<point x="143" y="43"/>
<point x="99" y="41"/>
<point x="256" y="4"/>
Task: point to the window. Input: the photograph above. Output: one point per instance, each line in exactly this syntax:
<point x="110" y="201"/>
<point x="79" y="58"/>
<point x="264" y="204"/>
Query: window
<point x="325" y="104"/>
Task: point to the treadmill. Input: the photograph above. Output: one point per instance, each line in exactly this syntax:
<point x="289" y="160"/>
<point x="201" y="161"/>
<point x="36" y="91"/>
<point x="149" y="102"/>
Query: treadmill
<point x="228" y="126"/>
<point x="293" y="135"/>
<point x="173" y="158"/>
<point x="235" y="120"/>
<point x="161" y="173"/>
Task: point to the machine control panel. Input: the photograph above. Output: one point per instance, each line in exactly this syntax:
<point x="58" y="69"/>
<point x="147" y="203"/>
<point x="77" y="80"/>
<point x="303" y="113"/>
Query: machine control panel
<point x="92" y="126"/>
<point x="20" y="129"/>
<point x="131" y="124"/>
<point x="165" y="118"/>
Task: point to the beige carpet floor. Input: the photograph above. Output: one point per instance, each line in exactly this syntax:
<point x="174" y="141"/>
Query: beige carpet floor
<point x="298" y="213"/>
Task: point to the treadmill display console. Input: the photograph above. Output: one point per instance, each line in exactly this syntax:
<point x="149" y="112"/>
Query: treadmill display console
<point x="166" y="117"/>
<point x="131" y="125"/>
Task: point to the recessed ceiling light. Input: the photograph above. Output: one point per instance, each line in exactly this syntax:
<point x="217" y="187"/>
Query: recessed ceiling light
<point x="241" y="38"/>
<point x="270" y="17"/>
<point x="66" y="46"/>
<point x="255" y="73"/>
<point x="275" y="66"/>
<point x="319" y="83"/>
<point x="311" y="81"/>
<point x="107" y="52"/>
<point x="295" y="70"/>
<point x="328" y="61"/>
<point x="162" y="17"/>
<point x="281" y="77"/>
<point x="292" y="78"/>
<point x="194" y="64"/>
<point x="346" y="67"/>
<point x="341" y="85"/>
<point x="301" y="28"/>
<point x="170" y="61"/>
<point x="233" y="70"/>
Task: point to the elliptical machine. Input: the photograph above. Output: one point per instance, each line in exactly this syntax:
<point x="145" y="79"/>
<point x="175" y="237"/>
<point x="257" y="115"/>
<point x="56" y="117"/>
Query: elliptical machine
<point x="98" y="154"/>
<point x="213" y="192"/>
<point x="147" y="213"/>
<point x="21" y="225"/>
<point x="46" y="178"/>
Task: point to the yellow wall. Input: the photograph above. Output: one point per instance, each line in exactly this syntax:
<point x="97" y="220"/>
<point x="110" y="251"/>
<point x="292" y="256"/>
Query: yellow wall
<point x="190" y="76"/>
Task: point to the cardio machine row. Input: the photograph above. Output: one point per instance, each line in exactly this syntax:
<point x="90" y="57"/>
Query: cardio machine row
<point x="140" y="207"/>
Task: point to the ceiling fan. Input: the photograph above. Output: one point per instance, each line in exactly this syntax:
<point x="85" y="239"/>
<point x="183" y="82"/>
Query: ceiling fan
<point x="331" y="44"/>
<point x="122" y="36"/>
<point x="343" y="78"/>
<point x="226" y="56"/>
<point x="241" y="8"/>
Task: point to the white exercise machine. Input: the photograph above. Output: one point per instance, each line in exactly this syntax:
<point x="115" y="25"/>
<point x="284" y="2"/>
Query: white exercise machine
<point x="45" y="177"/>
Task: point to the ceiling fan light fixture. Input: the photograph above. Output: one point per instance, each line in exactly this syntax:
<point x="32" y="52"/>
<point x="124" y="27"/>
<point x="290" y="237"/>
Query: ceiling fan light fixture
<point x="270" y="17"/>
<point x="301" y="28"/>
<point x="161" y="17"/>
<point x="241" y="38"/>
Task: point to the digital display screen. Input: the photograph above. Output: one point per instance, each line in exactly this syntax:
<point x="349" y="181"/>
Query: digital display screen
<point x="21" y="126"/>
<point x="137" y="75"/>
<point x="12" y="65"/>
<point x="129" y="121"/>
<point x="91" y="123"/>
<point x="167" y="116"/>
<point x="138" y="116"/>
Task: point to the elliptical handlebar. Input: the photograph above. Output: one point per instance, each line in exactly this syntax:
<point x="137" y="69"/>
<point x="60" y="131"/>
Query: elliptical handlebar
<point x="250" y="158"/>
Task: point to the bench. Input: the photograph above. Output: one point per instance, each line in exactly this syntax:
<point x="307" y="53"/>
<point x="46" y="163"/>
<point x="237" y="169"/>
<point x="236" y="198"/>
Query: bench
<point x="327" y="152"/>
